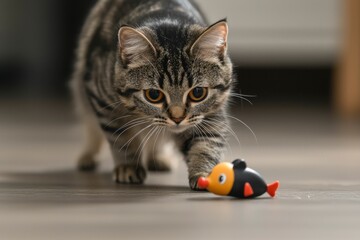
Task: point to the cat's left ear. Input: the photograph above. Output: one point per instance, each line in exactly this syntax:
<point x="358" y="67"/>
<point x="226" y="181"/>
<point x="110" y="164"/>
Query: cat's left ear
<point x="212" y="43"/>
<point x="135" y="48"/>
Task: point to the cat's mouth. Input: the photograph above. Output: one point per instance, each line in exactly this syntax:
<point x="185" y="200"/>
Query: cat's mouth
<point x="185" y="124"/>
<point x="178" y="127"/>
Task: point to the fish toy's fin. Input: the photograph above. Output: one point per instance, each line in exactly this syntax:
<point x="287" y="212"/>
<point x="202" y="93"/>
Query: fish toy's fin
<point x="239" y="164"/>
<point x="272" y="187"/>
<point x="248" y="191"/>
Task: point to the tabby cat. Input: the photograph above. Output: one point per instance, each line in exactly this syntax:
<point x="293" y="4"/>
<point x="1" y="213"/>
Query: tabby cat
<point x="150" y="73"/>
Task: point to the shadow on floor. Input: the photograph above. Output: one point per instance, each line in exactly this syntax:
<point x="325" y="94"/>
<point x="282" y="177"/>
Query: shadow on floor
<point x="61" y="187"/>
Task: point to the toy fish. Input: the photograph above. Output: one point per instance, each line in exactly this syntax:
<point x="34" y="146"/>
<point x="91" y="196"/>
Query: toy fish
<point x="237" y="180"/>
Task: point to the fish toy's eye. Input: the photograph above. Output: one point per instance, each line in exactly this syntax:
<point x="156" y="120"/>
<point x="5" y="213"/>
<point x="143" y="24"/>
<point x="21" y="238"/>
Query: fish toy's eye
<point x="222" y="178"/>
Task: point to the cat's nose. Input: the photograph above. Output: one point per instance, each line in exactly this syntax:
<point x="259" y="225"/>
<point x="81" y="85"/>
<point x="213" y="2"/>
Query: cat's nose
<point x="177" y="114"/>
<point x="178" y="120"/>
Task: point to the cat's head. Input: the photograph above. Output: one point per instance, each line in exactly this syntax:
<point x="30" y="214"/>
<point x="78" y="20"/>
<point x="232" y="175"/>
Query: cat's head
<point x="175" y="75"/>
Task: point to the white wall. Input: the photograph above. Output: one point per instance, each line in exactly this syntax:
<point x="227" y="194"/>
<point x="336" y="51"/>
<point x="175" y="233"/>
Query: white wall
<point x="280" y="31"/>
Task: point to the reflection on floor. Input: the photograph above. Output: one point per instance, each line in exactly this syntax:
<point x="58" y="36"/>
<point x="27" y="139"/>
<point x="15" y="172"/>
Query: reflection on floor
<point x="314" y="155"/>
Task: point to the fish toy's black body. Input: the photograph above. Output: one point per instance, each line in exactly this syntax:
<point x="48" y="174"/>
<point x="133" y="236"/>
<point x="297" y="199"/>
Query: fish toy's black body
<point x="237" y="180"/>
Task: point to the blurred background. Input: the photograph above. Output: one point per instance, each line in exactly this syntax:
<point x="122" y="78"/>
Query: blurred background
<point x="299" y="58"/>
<point x="287" y="51"/>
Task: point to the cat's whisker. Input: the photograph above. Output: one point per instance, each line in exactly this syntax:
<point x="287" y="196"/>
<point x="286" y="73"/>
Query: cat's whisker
<point x="145" y="139"/>
<point x="207" y="131"/>
<point x="116" y="119"/>
<point x="129" y="127"/>
<point x="160" y="121"/>
<point x="202" y="133"/>
<point x="144" y="143"/>
<point x="195" y="123"/>
<point x="164" y="132"/>
<point x="156" y="138"/>
<point x="227" y="128"/>
<point x="245" y="95"/>
<point x="129" y="124"/>
<point x="116" y="107"/>
<point x="127" y="144"/>
<point x="243" y="123"/>
<point x="135" y="120"/>
<point x="132" y="138"/>
<point x="220" y="134"/>
<point x="195" y="130"/>
<point x="241" y="97"/>
<point x="110" y="105"/>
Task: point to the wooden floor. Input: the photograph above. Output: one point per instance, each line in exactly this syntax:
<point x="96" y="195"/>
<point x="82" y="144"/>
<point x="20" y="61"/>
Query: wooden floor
<point x="315" y="156"/>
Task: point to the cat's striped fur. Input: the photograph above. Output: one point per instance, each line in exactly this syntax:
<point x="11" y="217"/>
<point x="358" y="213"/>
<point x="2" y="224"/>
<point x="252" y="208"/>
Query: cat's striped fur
<point x="128" y="46"/>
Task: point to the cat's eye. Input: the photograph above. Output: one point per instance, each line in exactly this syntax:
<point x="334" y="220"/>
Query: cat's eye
<point x="198" y="94"/>
<point x="153" y="95"/>
<point x="222" y="178"/>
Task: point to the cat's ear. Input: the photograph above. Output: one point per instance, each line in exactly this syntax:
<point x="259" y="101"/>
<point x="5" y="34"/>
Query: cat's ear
<point x="212" y="43"/>
<point x="135" y="48"/>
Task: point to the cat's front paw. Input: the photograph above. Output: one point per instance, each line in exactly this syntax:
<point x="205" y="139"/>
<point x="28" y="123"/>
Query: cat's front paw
<point x="193" y="182"/>
<point x="129" y="174"/>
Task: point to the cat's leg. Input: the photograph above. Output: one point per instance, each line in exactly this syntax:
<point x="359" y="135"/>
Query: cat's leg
<point x="201" y="159"/>
<point x="126" y="150"/>
<point x="93" y="140"/>
<point x="202" y="154"/>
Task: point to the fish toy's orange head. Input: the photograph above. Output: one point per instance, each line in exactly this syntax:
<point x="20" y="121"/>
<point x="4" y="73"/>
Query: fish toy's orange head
<point x="220" y="180"/>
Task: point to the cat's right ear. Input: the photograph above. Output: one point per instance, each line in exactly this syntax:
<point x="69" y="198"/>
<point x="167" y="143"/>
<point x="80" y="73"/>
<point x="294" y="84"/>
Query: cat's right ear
<point x="135" y="48"/>
<point x="211" y="45"/>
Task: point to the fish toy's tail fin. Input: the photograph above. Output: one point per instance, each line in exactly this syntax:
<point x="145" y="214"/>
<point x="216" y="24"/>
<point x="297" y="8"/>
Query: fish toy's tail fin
<point x="272" y="187"/>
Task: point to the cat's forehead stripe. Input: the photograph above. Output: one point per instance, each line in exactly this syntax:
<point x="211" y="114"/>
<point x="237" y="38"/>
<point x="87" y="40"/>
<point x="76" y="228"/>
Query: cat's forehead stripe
<point x="161" y="81"/>
<point x="186" y="66"/>
<point x="165" y="66"/>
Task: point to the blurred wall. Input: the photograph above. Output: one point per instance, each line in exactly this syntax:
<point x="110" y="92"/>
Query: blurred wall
<point x="280" y="31"/>
<point x="280" y="47"/>
<point x="38" y="39"/>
